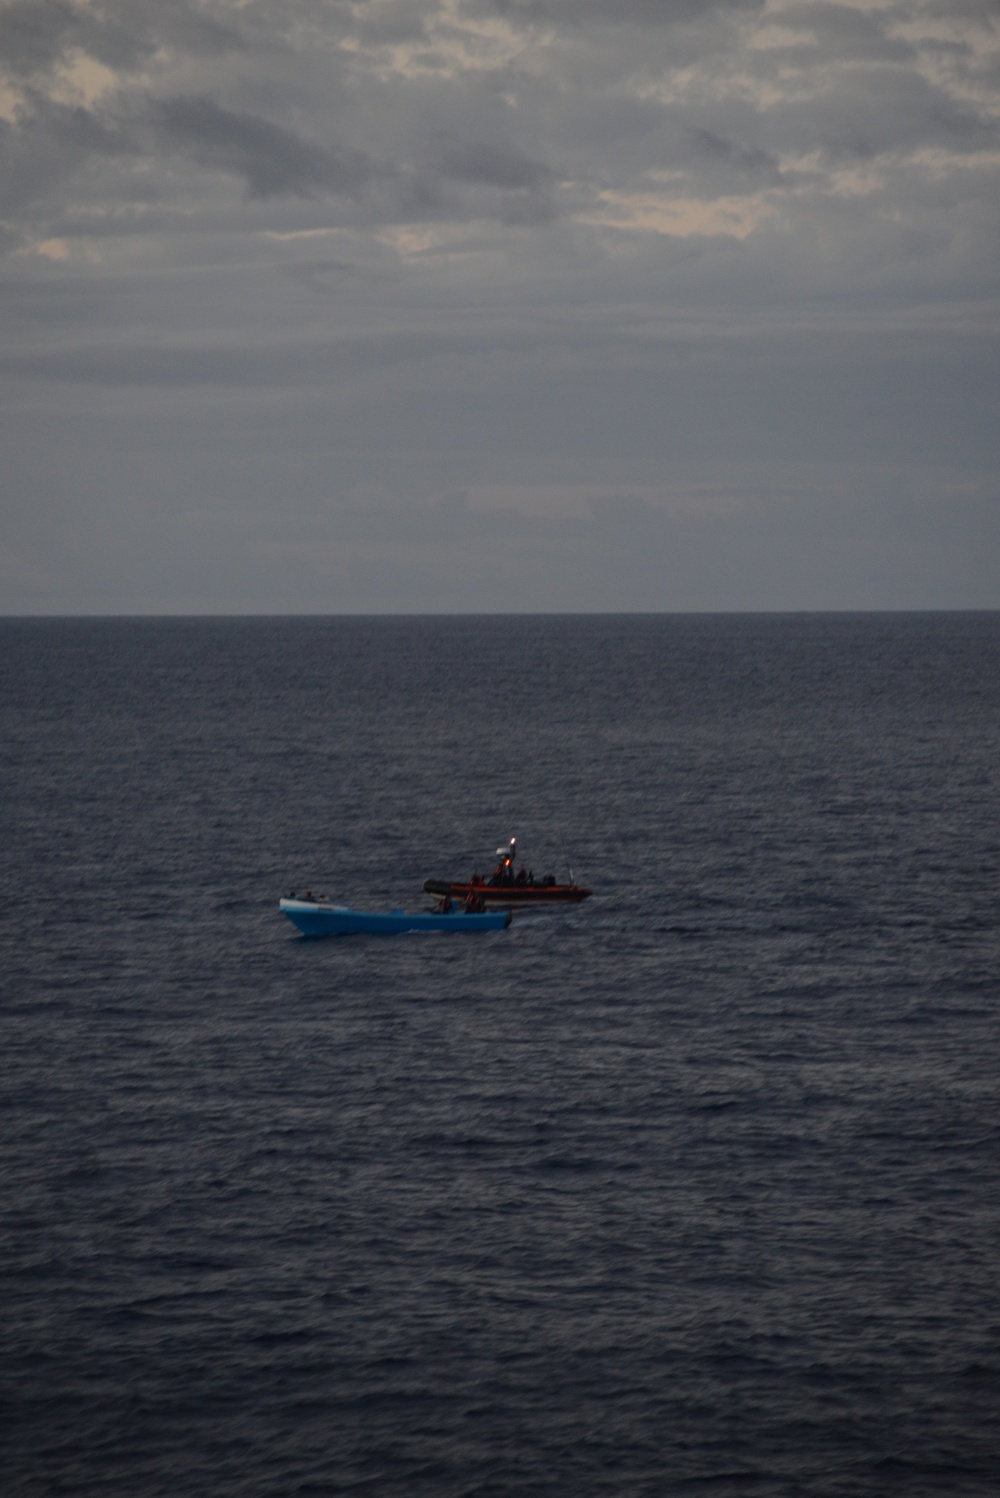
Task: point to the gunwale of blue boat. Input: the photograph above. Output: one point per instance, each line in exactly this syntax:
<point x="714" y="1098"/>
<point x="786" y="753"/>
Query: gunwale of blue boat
<point x="318" y="918"/>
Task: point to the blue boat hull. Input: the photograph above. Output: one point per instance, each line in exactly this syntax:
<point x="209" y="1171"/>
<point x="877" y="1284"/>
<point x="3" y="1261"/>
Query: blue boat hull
<point x="315" y="919"/>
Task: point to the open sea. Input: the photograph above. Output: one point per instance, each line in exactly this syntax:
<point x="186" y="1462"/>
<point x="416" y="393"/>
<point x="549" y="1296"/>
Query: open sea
<point x="692" y="1189"/>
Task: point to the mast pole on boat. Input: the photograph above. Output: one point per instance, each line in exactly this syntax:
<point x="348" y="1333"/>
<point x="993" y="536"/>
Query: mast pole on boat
<point x="562" y="844"/>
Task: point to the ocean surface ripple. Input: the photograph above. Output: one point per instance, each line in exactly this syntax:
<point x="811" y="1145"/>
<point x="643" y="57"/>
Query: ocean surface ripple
<point x="691" y="1189"/>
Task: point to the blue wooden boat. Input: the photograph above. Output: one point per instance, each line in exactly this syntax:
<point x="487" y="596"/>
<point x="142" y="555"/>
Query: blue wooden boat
<point x="318" y="918"/>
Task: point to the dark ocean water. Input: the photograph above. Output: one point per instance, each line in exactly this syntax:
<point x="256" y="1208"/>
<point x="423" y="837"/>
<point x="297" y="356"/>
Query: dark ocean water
<point x="694" y="1189"/>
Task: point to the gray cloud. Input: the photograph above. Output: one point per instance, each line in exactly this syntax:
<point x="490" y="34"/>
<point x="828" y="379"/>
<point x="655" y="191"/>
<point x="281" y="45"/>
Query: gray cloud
<point x="493" y="164"/>
<point x="37" y="34"/>
<point x="527" y="186"/>
<point x="631" y="12"/>
<point x="748" y="162"/>
<point x="885" y="109"/>
<point x="271" y="160"/>
<point x="37" y="156"/>
<point x="838" y="33"/>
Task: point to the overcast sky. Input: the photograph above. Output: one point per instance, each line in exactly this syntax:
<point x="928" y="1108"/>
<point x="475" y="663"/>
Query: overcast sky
<point x="477" y="305"/>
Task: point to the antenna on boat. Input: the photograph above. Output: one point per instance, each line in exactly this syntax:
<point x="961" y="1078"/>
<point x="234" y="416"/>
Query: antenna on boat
<point x="562" y="844"/>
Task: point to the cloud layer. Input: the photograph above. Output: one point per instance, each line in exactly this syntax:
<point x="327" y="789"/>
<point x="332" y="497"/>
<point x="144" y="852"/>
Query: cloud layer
<point x="452" y="263"/>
